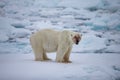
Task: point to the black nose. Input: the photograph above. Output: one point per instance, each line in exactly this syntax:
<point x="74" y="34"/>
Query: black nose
<point x="77" y="42"/>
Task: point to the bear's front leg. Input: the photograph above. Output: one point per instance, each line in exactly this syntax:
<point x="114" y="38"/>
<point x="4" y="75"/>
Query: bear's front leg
<point x="60" y="54"/>
<point x="59" y="58"/>
<point x="67" y="56"/>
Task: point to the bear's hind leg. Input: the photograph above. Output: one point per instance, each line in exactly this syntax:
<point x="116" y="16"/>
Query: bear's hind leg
<point x="38" y="55"/>
<point x="37" y="51"/>
<point x="45" y="56"/>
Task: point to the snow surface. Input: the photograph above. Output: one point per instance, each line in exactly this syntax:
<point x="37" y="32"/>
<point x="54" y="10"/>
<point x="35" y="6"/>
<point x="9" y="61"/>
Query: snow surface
<point x="95" y="58"/>
<point x="83" y="67"/>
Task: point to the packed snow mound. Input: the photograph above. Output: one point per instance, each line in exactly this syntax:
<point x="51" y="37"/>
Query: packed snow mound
<point x="89" y="44"/>
<point x="5" y="28"/>
<point x="3" y="37"/>
<point x="5" y="24"/>
<point x="21" y="23"/>
<point x="79" y="3"/>
<point x="113" y="6"/>
<point x="20" y="33"/>
<point x="47" y="3"/>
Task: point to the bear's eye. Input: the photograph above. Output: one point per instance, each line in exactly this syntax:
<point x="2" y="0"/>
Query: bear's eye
<point x="71" y="35"/>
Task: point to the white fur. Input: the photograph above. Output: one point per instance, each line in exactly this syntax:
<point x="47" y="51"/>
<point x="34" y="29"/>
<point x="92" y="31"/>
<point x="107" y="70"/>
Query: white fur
<point x="48" y="40"/>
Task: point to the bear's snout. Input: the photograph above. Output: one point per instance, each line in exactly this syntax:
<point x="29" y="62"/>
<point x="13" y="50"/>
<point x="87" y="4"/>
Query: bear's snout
<point x="77" y="42"/>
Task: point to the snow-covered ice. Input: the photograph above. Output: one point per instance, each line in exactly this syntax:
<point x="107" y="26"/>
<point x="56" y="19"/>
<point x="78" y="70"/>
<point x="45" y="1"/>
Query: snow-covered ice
<point x="83" y="67"/>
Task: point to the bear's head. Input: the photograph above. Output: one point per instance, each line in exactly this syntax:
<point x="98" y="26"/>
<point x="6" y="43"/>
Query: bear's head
<point x="76" y="37"/>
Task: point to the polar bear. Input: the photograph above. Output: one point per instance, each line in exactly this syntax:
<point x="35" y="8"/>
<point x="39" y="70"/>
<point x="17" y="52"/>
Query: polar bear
<point x="48" y="40"/>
